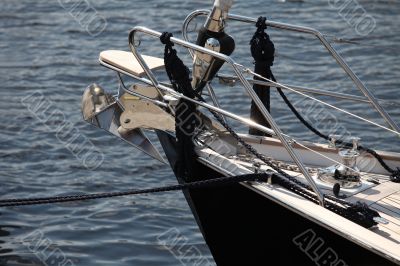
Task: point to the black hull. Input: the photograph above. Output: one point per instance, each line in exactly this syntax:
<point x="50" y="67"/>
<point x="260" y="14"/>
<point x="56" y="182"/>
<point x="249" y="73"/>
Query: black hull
<point x="242" y="227"/>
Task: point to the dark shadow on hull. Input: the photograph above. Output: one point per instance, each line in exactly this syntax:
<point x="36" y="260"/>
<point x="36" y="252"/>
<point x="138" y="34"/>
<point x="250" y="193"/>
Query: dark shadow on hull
<point x="242" y="227"/>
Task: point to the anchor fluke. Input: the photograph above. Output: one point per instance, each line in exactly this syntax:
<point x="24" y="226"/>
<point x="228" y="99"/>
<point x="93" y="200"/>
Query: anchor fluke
<point x="103" y="111"/>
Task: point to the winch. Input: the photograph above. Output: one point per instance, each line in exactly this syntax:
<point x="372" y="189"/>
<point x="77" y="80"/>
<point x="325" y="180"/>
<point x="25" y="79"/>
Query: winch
<point x="346" y="174"/>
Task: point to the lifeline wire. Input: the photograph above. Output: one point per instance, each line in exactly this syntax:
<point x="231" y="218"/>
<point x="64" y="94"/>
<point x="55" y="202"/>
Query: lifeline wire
<point x="247" y="70"/>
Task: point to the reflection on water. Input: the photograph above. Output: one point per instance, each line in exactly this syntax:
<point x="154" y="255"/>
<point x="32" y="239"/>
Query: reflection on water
<point x="9" y="255"/>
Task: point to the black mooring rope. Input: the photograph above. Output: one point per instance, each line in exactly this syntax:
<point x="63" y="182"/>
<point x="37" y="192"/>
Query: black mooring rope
<point x="193" y="185"/>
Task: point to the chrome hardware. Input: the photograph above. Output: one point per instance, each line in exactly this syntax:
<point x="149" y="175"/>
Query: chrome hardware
<point x="94" y="100"/>
<point x="103" y="111"/>
<point x="334" y="138"/>
<point x="355" y="141"/>
<point x="216" y="20"/>
<point x="257" y="167"/>
<point x="203" y="62"/>
<point x="212" y="44"/>
<point x="381" y="220"/>
<point x="332" y="141"/>
<point x="205" y="66"/>
<point x="347" y="174"/>
<point x="349" y="160"/>
<point x="330" y="175"/>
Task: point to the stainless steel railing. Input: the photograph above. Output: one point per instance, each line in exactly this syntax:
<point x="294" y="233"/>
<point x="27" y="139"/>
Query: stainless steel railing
<point x="245" y="83"/>
<point x="306" y="30"/>
<point x="338" y="95"/>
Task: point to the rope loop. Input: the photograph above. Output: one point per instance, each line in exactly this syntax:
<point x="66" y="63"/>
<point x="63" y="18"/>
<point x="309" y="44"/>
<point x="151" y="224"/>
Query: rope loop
<point x="165" y="38"/>
<point x="262" y="48"/>
<point x="261" y="23"/>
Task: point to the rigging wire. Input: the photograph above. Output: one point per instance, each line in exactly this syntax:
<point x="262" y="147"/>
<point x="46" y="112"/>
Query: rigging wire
<point x="277" y="84"/>
<point x="289" y="138"/>
<point x="395" y="173"/>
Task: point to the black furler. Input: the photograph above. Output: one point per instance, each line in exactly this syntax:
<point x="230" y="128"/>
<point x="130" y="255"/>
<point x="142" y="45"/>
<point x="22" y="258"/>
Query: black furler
<point x="227" y="46"/>
<point x="263" y="50"/>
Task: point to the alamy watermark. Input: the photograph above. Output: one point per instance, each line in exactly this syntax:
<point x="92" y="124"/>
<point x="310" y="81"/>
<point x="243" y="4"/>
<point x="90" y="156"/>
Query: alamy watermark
<point x="45" y="250"/>
<point x="54" y="120"/>
<point x="86" y="15"/>
<point x="317" y="250"/>
<point x="191" y="125"/>
<point x="355" y="15"/>
<point x="177" y="245"/>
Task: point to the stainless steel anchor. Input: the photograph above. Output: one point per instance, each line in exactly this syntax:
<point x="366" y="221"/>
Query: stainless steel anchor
<point x="104" y="111"/>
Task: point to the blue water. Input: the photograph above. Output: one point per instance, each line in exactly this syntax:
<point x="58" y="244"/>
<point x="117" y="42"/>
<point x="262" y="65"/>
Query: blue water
<point x="46" y="49"/>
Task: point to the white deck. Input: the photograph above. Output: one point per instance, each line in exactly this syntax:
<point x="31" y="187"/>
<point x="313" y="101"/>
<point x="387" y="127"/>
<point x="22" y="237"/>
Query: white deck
<point x="383" y="239"/>
<point x="127" y="62"/>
